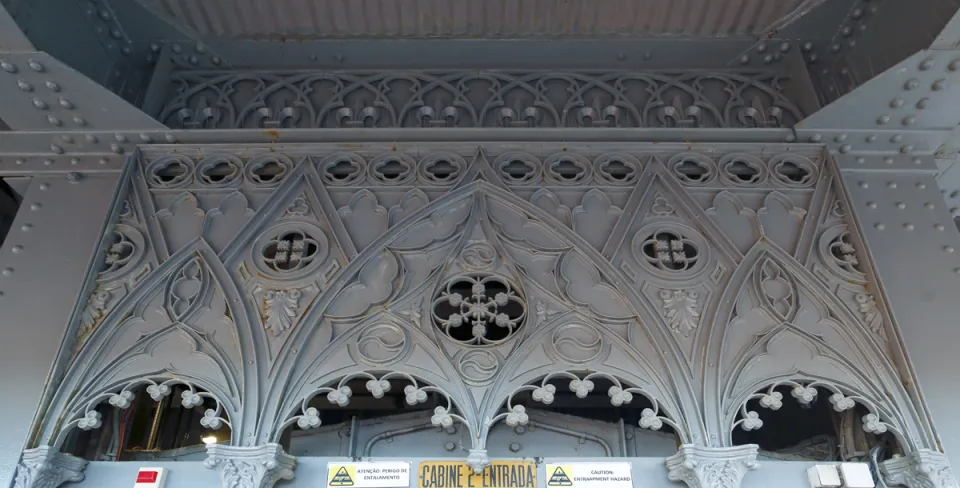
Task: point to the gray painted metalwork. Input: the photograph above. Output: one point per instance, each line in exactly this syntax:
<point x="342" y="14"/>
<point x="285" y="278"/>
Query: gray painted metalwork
<point x="695" y="252"/>
<point x="266" y="276"/>
<point x="201" y="100"/>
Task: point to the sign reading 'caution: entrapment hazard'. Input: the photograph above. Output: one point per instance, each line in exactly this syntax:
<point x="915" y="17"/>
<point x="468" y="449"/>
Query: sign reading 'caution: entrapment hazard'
<point x="368" y="475"/>
<point x="589" y="475"/>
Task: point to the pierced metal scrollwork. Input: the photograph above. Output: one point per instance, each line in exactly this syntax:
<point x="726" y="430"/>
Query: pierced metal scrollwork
<point x="805" y="394"/>
<point x="318" y="99"/>
<point x="489" y="306"/>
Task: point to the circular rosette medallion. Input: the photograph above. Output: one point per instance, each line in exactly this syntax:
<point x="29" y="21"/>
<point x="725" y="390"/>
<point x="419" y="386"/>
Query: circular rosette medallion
<point x="479" y="309"/>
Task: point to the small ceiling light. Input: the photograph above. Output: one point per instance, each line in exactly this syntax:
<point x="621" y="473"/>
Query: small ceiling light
<point x="210" y="439"/>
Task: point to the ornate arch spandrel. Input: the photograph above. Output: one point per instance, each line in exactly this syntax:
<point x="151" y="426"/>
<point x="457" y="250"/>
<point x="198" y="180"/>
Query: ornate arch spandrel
<point x="775" y="308"/>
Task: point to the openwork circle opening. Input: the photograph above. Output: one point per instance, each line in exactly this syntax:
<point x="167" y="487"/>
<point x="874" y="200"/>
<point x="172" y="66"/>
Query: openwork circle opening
<point x="670" y="251"/>
<point x="479" y="309"/>
<point x="289" y="251"/>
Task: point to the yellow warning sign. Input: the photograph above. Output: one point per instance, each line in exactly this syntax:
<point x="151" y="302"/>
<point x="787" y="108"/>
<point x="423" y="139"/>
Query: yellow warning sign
<point x="454" y="474"/>
<point x="342" y="476"/>
<point x="559" y="477"/>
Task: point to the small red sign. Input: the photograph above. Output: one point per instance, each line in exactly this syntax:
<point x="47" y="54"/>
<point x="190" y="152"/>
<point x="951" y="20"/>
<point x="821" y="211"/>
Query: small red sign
<point x="147" y="477"/>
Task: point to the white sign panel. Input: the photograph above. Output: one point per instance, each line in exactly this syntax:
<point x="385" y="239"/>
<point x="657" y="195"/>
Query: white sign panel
<point x="368" y="475"/>
<point x="590" y="475"/>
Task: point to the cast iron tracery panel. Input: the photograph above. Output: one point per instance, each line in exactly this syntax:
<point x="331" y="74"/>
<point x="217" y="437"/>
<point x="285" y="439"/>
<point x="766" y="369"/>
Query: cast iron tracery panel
<point x="334" y="99"/>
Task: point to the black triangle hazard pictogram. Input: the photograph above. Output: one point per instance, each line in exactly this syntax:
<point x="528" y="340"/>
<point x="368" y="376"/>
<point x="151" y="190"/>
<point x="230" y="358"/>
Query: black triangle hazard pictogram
<point x="559" y="478"/>
<point x="342" y="478"/>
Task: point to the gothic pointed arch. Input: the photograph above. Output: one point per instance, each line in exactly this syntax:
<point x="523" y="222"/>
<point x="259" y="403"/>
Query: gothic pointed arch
<point x="464" y="284"/>
<point x="778" y="326"/>
<point x="183" y="324"/>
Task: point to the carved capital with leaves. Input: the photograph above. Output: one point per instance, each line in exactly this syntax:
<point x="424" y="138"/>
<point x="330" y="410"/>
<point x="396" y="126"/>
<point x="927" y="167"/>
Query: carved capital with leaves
<point x="47" y="467"/>
<point x="250" y="467"/>
<point x="712" y="467"/>
<point x="923" y="468"/>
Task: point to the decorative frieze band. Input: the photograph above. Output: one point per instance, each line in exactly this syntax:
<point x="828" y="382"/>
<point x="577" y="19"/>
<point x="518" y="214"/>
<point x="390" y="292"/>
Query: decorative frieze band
<point x="309" y="99"/>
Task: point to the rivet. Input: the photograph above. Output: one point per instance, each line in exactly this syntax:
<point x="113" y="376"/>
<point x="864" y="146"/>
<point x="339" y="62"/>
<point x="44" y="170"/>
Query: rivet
<point x="888" y="160"/>
<point x="647" y="56"/>
<point x="121" y="138"/>
<point x="864" y="185"/>
<point x="808" y="46"/>
<point x="154" y="47"/>
<point x="40" y="104"/>
<point x="921" y="186"/>
<point x="67" y="104"/>
<point x="56" y="149"/>
<point x="816" y="138"/>
<point x="450" y="446"/>
<point x="891" y="185"/>
<point x="883" y="119"/>
<point x="835" y="48"/>
<point x="54" y="121"/>
<point x="74" y="177"/>
<point x="35" y="206"/>
<point x="938" y="85"/>
<point x="176" y="48"/>
<point x="954" y="65"/>
<point x="105" y="15"/>
<point x="923" y="103"/>
<point x="761" y="47"/>
<point x="852" y="43"/>
<point x="146" y="137"/>
<point x="901" y="205"/>
<point x="927" y="64"/>
<point x="908" y="226"/>
<point x="845" y="148"/>
<point x="514" y="447"/>
<point x="170" y="138"/>
<point x="7" y="271"/>
<point x="856" y="14"/>
<point x="126" y="50"/>
<point x="79" y="120"/>
<point x="767" y="59"/>
<point x="917" y="161"/>
<point x="48" y="162"/>
<point x="896" y="103"/>
<point x="879" y="226"/>
<point x="846" y="31"/>
<point x="8" y="66"/>
<point x="117" y="148"/>
<point x="785" y="47"/>
<point x="840" y="138"/>
<point x="44" y="186"/>
<point x="103" y="161"/>
<point x="896" y="138"/>
<point x="871" y="204"/>
<point x="52" y="86"/>
<point x="939" y="227"/>
<point x="813" y="58"/>
<point x="67" y="138"/>
<point x="193" y="60"/>
<point x="906" y="149"/>
<point x="909" y="120"/>
<point x="36" y="66"/>
<point x="928" y="206"/>
<point x="24" y="86"/>
<point x="861" y="160"/>
<point x="17" y="249"/>
<point x="215" y="60"/>
<point x="19" y="161"/>
<point x="911" y="84"/>
<point x="74" y="161"/>
<point x="948" y="249"/>
<point x="26" y="227"/>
